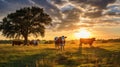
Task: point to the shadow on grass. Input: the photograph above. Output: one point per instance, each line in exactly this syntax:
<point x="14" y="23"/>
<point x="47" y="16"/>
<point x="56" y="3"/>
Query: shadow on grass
<point x="38" y="60"/>
<point x="99" y="57"/>
<point x="49" y="57"/>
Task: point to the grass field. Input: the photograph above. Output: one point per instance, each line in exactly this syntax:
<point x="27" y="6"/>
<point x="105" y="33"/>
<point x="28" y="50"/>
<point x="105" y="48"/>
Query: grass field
<point x="45" y="55"/>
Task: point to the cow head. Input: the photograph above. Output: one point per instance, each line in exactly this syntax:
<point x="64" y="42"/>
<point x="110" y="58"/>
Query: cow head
<point x="64" y="36"/>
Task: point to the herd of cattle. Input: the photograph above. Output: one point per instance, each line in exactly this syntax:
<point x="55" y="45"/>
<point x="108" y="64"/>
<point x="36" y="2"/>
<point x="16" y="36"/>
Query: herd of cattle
<point x="59" y="42"/>
<point x="18" y="42"/>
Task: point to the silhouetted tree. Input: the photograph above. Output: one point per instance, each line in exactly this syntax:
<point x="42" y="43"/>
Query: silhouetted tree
<point x="24" y="22"/>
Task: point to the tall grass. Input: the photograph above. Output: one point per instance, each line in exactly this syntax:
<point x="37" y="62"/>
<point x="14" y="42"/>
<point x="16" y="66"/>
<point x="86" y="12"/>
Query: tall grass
<point x="45" y="55"/>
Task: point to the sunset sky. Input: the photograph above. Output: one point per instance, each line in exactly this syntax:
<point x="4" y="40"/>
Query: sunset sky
<point x="100" y="18"/>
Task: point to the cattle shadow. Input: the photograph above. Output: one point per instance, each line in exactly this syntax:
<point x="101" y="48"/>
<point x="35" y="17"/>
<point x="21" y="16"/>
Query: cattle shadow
<point x="38" y="60"/>
<point x="99" y="55"/>
<point x="46" y="58"/>
<point x="49" y="57"/>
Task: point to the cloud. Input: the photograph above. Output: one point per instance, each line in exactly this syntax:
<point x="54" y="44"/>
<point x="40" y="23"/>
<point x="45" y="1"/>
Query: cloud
<point x="113" y="10"/>
<point x="67" y="14"/>
<point x="3" y="7"/>
<point x="93" y="14"/>
<point x="51" y="9"/>
<point x="101" y="4"/>
<point x="13" y="5"/>
<point x="8" y="6"/>
<point x="23" y="2"/>
<point x="92" y="6"/>
<point x="59" y="2"/>
<point x="70" y="19"/>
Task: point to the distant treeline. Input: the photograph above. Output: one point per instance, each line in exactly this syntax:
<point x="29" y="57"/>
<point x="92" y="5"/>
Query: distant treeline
<point x="51" y="41"/>
<point x="5" y="41"/>
<point x="40" y="42"/>
<point x="109" y="40"/>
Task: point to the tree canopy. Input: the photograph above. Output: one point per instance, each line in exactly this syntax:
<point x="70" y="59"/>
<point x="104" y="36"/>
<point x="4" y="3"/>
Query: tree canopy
<point x="24" y="22"/>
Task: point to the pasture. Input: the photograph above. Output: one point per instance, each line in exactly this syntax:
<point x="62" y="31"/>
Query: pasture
<point x="45" y="55"/>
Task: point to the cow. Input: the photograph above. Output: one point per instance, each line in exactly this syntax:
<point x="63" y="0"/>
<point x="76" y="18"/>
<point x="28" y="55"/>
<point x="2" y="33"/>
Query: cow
<point x="33" y="42"/>
<point x="60" y="42"/>
<point x="56" y="41"/>
<point x="16" y="42"/>
<point x="87" y="41"/>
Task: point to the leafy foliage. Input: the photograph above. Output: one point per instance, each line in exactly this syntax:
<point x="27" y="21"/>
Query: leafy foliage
<point x="24" y="22"/>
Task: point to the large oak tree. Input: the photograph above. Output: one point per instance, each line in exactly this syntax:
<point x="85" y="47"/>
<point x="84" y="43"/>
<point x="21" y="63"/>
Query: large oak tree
<point x="24" y="22"/>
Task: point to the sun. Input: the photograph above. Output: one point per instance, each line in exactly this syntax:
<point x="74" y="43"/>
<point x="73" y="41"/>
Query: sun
<point x="82" y="33"/>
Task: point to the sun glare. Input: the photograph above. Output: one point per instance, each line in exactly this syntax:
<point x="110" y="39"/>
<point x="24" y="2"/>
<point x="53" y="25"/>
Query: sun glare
<point x="82" y="33"/>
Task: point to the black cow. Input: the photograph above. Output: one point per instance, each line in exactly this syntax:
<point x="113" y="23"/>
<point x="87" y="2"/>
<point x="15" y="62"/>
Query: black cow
<point x="15" y="42"/>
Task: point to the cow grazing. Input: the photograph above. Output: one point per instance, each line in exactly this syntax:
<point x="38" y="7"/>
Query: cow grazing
<point x="33" y="42"/>
<point x="15" y="42"/>
<point x="60" y="42"/>
<point x="87" y="41"/>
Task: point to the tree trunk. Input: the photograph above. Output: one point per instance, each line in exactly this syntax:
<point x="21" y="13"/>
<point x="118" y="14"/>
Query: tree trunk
<point x="25" y="40"/>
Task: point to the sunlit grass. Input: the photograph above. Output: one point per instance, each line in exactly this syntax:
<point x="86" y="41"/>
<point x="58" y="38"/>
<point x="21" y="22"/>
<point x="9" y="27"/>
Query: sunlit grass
<point x="45" y="55"/>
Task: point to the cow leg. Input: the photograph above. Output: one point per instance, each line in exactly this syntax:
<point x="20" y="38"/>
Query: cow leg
<point x="13" y="44"/>
<point x="56" y="46"/>
<point x="80" y="45"/>
<point x="61" y="47"/>
<point x="90" y="44"/>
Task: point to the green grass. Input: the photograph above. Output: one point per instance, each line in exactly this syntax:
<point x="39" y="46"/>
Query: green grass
<point x="45" y="55"/>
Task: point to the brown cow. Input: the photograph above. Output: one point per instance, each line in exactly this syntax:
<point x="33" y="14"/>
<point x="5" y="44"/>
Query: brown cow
<point x="16" y="42"/>
<point x="87" y="41"/>
<point x="56" y="41"/>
